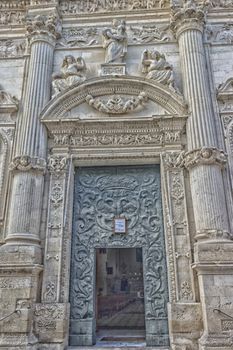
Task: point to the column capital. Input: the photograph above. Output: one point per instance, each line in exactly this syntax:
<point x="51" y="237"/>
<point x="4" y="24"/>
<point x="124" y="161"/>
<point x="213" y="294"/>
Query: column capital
<point x="188" y="17"/>
<point x="46" y="27"/>
<point x="205" y="156"/>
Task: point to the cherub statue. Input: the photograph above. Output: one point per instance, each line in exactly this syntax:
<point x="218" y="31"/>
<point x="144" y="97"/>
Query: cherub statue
<point x="157" y="68"/>
<point x="72" y="73"/>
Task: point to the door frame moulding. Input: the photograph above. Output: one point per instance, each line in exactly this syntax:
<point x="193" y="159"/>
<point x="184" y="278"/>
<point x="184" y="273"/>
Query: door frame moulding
<point x="119" y="140"/>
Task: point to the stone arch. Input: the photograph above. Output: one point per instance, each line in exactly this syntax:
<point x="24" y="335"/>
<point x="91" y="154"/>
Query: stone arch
<point x="171" y="101"/>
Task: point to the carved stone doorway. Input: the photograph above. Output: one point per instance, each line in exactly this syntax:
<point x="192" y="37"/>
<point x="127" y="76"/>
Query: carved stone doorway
<point x="120" y="289"/>
<point x="118" y="207"/>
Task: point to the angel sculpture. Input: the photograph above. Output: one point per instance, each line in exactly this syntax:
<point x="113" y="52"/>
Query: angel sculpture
<point x="157" y="68"/>
<point x="72" y="73"/>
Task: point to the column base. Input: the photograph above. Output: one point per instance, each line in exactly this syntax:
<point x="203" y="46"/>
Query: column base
<point x="216" y="341"/>
<point x="18" y="341"/>
<point x="20" y="252"/>
<point x="185" y="325"/>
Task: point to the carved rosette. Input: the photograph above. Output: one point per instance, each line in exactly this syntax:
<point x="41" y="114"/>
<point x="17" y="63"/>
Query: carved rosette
<point x="187" y="17"/>
<point x="43" y="27"/>
<point x="28" y="163"/>
<point x="205" y="156"/>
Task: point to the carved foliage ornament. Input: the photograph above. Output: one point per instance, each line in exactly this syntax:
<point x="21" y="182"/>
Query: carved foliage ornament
<point x="39" y="25"/>
<point x="27" y="163"/>
<point x="91" y="36"/>
<point x="117" y="104"/>
<point x="190" y="15"/>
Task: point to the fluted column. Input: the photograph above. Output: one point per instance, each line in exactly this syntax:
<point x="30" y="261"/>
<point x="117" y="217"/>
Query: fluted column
<point x="204" y="160"/>
<point x="29" y="163"/>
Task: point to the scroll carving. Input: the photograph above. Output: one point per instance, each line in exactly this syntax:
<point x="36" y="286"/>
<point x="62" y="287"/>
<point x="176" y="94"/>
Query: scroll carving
<point x="206" y="156"/>
<point x="134" y="194"/>
<point x="117" y="104"/>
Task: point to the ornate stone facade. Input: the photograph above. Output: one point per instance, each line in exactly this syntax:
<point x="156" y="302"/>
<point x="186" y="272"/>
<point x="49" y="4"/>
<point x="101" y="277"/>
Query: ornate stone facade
<point x="88" y="87"/>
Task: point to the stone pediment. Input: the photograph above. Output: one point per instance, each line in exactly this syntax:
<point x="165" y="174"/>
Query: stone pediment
<point x="113" y="97"/>
<point x="225" y="90"/>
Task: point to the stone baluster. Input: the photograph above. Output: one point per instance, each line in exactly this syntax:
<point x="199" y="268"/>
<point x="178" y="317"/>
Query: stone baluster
<point x="30" y="152"/>
<point x="205" y="163"/>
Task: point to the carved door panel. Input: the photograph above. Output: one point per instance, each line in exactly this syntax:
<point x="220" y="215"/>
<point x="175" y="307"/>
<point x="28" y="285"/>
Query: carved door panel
<point x="101" y="195"/>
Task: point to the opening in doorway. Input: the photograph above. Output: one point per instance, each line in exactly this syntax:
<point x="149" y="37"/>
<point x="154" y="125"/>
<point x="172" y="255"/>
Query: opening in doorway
<point x="120" y="295"/>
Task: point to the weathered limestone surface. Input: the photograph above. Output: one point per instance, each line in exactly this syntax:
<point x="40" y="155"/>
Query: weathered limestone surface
<point x="115" y="83"/>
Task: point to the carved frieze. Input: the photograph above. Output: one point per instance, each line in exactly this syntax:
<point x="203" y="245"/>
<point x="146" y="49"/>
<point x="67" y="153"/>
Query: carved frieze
<point x="12" y="48"/>
<point x="43" y="25"/>
<point x="220" y="33"/>
<point x="117" y="104"/>
<point x="27" y="163"/>
<point x="11" y="17"/>
<point x="92" y="36"/>
<point x="69" y="7"/>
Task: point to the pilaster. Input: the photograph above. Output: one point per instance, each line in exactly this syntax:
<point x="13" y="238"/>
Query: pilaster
<point x="205" y="162"/>
<point x="21" y="254"/>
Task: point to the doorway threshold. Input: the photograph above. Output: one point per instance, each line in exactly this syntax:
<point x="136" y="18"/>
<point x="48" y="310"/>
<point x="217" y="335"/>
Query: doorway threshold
<point x="120" y="340"/>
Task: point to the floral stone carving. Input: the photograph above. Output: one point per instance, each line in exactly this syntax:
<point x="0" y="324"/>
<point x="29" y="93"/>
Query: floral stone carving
<point x="117" y="104"/>
<point x="72" y="73"/>
<point x="27" y="163"/>
<point x="100" y="196"/>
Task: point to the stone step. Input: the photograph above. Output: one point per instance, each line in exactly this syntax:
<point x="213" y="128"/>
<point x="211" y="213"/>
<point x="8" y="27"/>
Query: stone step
<point x="117" y="348"/>
<point x="112" y="347"/>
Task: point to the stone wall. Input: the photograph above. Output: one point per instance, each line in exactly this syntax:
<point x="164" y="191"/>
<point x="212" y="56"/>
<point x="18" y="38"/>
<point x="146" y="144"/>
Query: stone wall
<point x="160" y="92"/>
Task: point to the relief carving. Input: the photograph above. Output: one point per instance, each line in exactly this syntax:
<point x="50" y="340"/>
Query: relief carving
<point x="15" y="17"/>
<point x="92" y="36"/>
<point x="149" y="33"/>
<point x="72" y="73"/>
<point x="57" y="165"/>
<point x="117" y="104"/>
<point x="115" y="42"/>
<point x="223" y="34"/>
<point x="12" y="48"/>
<point x="99" y="198"/>
<point x="27" y="163"/>
<point x="157" y="68"/>
<point x="92" y="6"/>
<point x="206" y="156"/>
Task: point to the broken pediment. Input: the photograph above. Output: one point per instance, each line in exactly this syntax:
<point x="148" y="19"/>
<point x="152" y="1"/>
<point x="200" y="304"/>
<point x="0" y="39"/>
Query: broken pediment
<point x="225" y="90"/>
